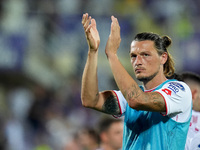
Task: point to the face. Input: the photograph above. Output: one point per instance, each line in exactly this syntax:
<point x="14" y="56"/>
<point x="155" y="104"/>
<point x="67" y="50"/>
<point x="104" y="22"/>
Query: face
<point x="115" y="135"/>
<point x="145" y="60"/>
<point x="196" y="99"/>
<point x="85" y="139"/>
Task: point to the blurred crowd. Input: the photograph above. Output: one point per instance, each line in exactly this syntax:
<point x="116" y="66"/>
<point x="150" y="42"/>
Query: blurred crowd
<point x="42" y="54"/>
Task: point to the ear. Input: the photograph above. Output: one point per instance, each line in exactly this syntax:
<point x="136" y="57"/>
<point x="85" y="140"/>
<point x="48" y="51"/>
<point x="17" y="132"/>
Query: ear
<point x="103" y="137"/>
<point x="194" y="94"/>
<point x="164" y="58"/>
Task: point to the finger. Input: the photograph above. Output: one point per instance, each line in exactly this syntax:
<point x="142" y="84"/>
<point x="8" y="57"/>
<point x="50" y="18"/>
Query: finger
<point x="114" y="19"/>
<point x="87" y="22"/>
<point x="84" y="18"/>
<point x="112" y="24"/>
<point x="93" y="23"/>
<point x="88" y="28"/>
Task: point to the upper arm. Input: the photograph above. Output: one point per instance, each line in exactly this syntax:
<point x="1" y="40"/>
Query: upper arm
<point x="108" y="103"/>
<point x="178" y="98"/>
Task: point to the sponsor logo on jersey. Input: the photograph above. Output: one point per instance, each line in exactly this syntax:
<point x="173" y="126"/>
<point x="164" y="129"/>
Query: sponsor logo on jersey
<point x="178" y="85"/>
<point x="167" y="91"/>
<point x="175" y="86"/>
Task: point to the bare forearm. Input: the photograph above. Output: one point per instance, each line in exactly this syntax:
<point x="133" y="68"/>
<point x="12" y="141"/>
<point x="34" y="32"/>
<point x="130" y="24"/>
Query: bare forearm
<point x="124" y="81"/>
<point x="89" y="90"/>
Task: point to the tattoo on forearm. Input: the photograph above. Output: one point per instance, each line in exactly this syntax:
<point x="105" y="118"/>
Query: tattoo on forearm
<point x="133" y="92"/>
<point x="111" y="105"/>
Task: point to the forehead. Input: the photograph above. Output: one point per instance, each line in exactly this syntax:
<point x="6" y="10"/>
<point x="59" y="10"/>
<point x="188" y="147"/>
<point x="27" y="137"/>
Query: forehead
<point x="146" y="45"/>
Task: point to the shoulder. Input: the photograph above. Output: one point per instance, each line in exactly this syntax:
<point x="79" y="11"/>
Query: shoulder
<point x="177" y="84"/>
<point x="177" y="96"/>
<point x="176" y="87"/>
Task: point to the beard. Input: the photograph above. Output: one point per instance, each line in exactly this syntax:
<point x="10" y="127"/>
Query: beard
<point x="146" y="79"/>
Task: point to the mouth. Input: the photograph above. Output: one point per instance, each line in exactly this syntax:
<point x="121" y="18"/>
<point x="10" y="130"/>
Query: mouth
<point x="139" y="70"/>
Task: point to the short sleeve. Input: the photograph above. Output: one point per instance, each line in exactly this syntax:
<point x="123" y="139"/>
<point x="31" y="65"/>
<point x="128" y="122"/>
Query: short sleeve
<point x="121" y="101"/>
<point x="178" y="99"/>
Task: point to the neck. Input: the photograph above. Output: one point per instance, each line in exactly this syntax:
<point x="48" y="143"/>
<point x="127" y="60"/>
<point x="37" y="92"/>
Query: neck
<point x="157" y="80"/>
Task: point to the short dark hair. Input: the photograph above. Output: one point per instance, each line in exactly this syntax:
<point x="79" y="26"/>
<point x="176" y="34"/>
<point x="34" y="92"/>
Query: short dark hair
<point x="91" y="132"/>
<point x="190" y="76"/>
<point x="105" y="124"/>
<point x="161" y="44"/>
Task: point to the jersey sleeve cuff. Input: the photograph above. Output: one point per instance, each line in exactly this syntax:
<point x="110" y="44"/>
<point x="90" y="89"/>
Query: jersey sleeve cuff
<point x="164" y="113"/>
<point x="118" y="116"/>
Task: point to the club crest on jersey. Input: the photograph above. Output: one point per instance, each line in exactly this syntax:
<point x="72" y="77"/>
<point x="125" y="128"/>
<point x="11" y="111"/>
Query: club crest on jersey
<point x="175" y="86"/>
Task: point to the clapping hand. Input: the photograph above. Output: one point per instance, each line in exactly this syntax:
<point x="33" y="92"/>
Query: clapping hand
<point x="91" y="32"/>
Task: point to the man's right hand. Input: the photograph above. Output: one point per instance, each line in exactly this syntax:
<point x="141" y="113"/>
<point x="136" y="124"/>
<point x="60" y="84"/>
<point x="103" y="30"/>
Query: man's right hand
<point x="91" y="32"/>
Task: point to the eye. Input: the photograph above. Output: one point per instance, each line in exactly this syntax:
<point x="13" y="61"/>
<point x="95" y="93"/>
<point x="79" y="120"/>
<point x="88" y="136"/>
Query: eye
<point x="146" y="55"/>
<point x="133" y="56"/>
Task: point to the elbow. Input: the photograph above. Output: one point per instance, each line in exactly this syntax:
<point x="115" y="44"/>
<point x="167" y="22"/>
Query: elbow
<point x="86" y="102"/>
<point x="84" y="99"/>
<point x="138" y="102"/>
<point x="134" y="104"/>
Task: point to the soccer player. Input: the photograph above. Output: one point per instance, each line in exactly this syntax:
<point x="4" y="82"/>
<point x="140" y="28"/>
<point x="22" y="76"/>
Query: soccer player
<point x="111" y="134"/>
<point x="157" y="114"/>
<point x="88" y="139"/>
<point x="193" y="137"/>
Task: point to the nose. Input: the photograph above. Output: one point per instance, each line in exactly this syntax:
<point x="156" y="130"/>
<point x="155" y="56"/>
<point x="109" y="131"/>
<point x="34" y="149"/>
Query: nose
<point x="138" y="61"/>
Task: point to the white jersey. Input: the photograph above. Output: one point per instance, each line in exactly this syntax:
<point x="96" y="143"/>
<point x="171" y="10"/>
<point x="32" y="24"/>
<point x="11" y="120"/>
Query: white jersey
<point x="193" y="137"/>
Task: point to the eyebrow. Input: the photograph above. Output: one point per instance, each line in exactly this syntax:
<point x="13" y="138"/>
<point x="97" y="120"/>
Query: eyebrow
<point x="142" y="52"/>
